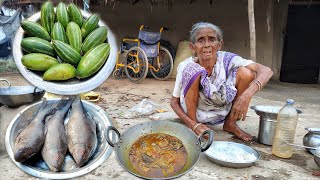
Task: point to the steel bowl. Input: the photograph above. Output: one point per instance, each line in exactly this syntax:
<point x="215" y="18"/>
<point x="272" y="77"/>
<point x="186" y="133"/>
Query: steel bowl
<point x="15" y="96"/>
<point x="69" y="87"/>
<point x="230" y="160"/>
<point x="37" y="167"/>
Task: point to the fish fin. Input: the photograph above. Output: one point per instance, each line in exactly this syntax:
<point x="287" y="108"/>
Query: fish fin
<point x="92" y="119"/>
<point x="47" y="119"/>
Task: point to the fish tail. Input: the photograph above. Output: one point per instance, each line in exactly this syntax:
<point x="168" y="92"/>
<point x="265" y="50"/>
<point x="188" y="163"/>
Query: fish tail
<point x="76" y="102"/>
<point x="44" y="108"/>
<point x="65" y="102"/>
<point x="43" y="104"/>
<point x="47" y="109"/>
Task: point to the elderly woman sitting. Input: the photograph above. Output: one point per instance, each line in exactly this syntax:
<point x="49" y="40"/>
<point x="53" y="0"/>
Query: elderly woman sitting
<point x="215" y="86"/>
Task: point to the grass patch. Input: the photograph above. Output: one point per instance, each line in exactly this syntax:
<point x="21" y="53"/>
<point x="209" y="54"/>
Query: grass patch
<point x="7" y="64"/>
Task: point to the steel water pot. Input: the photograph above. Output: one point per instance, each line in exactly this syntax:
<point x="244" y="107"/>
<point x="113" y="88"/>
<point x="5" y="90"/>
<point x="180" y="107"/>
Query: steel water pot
<point x="312" y="138"/>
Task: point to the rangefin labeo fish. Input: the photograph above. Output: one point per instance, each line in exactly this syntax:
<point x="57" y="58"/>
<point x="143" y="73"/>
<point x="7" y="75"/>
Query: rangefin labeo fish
<point x="81" y="131"/>
<point x="55" y="146"/>
<point x="31" y="139"/>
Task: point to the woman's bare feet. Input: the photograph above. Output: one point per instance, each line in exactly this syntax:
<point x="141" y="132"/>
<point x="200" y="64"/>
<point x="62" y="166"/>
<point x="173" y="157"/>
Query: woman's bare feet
<point x="235" y="129"/>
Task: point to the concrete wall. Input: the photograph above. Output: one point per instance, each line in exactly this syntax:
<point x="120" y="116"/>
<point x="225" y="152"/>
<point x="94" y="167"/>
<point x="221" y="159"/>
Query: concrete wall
<point x="232" y="16"/>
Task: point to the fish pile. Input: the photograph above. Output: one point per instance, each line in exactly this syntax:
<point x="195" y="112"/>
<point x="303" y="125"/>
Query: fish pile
<point x="46" y="134"/>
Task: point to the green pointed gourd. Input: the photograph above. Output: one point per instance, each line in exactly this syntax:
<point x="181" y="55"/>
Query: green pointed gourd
<point x="75" y="14"/>
<point x="95" y="38"/>
<point x="35" y="29"/>
<point x="62" y="14"/>
<point x="37" y="45"/>
<point x="89" y="25"/>
<point x="38" y="61"/>
<point x="74" y="36"/>
<point x="66" y="52"/>
<point x="58" y="33"/>
<point x="47" y="16"/>
<point x="60" y="72"/>
<point x="93" y="60"/>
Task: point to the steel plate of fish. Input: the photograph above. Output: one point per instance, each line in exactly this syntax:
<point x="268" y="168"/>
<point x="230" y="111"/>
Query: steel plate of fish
<point x="36" y="166"/>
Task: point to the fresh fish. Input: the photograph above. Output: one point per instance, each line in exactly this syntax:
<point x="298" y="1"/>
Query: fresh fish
<point x="81" y="129"/>
<point x="31" y="139"/>
<point x="55" y="146"/>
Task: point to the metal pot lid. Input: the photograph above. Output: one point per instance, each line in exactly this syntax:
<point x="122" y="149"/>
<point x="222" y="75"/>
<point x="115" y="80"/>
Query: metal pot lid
<point x="268" y="111"/>
<point x="70" y="87"/>
<point x="38" y="168"/>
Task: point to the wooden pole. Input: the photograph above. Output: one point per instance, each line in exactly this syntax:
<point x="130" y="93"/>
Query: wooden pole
<point x="252" y="30"/>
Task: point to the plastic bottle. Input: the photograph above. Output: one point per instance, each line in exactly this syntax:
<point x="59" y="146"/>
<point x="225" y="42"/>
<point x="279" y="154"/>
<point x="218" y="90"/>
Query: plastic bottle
<point x="285" y="130"/>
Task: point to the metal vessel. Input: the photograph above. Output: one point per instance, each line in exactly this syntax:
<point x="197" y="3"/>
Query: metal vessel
<point x="73" y="86"/>
<point x="37" y="167"/>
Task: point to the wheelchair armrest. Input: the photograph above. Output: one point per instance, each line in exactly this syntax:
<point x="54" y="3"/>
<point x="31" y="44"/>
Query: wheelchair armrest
<point x="128" y="37"/>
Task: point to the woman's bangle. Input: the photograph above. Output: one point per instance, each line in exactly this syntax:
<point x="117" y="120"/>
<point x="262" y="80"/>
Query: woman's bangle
<point x="259" y="86"/>
<point x="195" y="126"/>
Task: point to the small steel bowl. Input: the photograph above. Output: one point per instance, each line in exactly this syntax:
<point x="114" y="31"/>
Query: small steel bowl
<point x="217" y="146"/>
<point x="35" y="166"/>
<point x="72" y="86"/>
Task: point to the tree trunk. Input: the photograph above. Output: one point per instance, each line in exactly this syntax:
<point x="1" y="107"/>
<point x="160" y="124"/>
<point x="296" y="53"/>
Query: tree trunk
<point x="252" y="30"/>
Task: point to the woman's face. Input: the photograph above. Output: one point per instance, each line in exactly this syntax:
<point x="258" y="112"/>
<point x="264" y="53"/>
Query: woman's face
<point x="206" y="44"/>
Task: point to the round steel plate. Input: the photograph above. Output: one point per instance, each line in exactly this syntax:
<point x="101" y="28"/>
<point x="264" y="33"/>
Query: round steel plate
<point x="69" y="87"/>
<point x="224" y="145"/>
<point x="37" y="166"/>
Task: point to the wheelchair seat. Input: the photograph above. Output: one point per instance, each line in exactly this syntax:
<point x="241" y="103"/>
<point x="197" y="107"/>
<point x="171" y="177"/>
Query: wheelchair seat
<point x="149" y="42"/>
<point x="149" y="37"/>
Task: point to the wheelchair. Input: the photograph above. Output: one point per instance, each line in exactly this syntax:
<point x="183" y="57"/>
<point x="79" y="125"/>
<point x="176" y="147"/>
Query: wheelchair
<point x="139" y="55"/>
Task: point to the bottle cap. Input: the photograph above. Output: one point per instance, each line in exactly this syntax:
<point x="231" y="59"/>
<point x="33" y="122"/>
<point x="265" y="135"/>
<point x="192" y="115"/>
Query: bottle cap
<point x="290" y="101"/>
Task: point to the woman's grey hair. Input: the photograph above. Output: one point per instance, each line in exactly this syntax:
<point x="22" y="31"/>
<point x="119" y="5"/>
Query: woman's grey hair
<point x="201" y="25"/>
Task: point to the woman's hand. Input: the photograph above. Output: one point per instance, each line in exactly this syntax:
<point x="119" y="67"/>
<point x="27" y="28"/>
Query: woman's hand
<point x="240" y="107"/>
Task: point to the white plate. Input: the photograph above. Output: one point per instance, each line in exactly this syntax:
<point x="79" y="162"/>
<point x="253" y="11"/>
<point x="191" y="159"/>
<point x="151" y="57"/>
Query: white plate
<point x="73" y="86"/>
<point x="232" y="154"/>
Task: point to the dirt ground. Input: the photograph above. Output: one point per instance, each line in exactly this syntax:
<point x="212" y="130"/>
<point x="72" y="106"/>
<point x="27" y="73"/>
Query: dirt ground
<point x="118" y="96"/>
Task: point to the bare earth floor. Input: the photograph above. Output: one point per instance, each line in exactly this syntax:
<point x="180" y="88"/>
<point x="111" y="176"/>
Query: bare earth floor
<point x="117" y="96"/>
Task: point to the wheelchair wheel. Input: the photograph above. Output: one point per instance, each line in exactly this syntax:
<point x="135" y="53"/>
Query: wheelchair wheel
<point x="136" y="64"/>
<point x="117" y="74"/>
<point x="166" y="65"/>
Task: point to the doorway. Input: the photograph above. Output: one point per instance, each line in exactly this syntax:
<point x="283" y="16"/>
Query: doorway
<point x="301" y="54"/>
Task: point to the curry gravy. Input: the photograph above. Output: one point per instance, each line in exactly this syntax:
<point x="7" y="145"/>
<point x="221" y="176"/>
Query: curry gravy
<point x="158" y="155"/>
